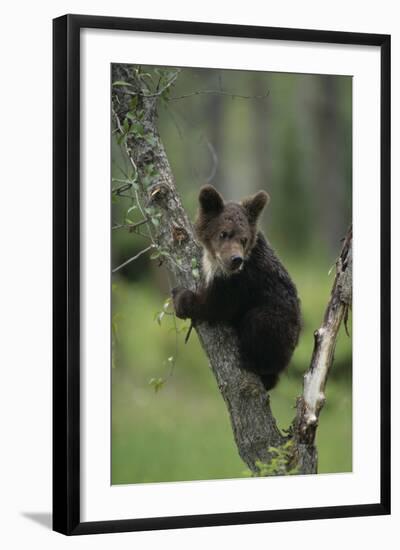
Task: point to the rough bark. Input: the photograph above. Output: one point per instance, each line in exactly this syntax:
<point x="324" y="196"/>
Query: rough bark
<point x="253" y="424"/>
<point x="309" y="405"/>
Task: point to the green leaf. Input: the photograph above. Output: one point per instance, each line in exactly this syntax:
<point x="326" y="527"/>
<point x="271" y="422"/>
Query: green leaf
<point x="131" y="116"/>
<point x="159" y="317"/>
<point x="122" y="83"/>
<point x="155" y="255"/>
<point x="137" y="129"/>
<point x="121" y="138"/>
<point x="155" y="222"/>
<point x="157" y="383"/>
<point x="133" y="102"/>
<point x="195" y="273"/>
<point x="194" y="263"/>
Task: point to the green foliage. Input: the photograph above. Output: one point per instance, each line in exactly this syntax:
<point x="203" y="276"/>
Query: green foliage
<point x="157" y="383"/>
<point x="166" y="310"/>
<point x="133" y="104"/>
<point x="150" y="173"/>
<point x="137" y="129"/>
<point x="282" y="461"/>
<point x="121" y="83"/>
<point x="166" y="82"/>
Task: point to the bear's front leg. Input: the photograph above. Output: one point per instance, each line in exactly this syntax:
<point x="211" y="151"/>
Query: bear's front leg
<point x="184" y="302"/>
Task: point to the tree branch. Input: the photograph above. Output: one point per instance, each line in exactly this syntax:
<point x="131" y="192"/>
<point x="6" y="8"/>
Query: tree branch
<point x="134" y="258"/>
<point x="220" y="92"/>
<point x="309" y="405"/>
<point x="130" y="226"/>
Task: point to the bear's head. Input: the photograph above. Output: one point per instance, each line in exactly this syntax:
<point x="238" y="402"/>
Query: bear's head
<point x="227" y="230"/>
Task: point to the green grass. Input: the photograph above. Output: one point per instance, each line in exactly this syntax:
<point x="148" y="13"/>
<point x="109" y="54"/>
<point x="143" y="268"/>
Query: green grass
<point x="167" y="437"/>
<point x="182" y="432"/>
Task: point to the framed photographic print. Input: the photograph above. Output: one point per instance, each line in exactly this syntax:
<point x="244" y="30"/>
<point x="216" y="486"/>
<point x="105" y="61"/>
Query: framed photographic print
<point x="221" y="274"/>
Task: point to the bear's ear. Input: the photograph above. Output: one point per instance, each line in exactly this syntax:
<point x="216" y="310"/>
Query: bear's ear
<point x="210" y="200"/>
<point x="254" y="205"/>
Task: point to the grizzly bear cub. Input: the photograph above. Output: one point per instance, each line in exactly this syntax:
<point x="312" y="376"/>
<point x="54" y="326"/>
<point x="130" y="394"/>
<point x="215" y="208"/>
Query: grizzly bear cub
<point x="244" y="285"/>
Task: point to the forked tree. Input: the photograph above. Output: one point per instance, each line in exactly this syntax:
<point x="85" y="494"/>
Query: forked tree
<point x="151" y="183"/>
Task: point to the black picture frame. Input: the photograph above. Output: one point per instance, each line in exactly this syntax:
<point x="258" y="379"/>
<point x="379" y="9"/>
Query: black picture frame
<point x="66" y="273"/>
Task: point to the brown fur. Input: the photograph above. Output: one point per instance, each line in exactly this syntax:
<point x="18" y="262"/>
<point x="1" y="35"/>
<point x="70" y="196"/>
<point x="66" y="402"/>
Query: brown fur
<point x="228" y="230"/>
<point x="244" y="284"/>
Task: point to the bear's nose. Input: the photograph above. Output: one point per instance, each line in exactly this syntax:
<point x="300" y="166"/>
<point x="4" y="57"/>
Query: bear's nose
<point x="236" y="262"/>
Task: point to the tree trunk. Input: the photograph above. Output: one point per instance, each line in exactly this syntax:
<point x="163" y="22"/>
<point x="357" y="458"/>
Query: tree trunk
<point x="253" y="424"/>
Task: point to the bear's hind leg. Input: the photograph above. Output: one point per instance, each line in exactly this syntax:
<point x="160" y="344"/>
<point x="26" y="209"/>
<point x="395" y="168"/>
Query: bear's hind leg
<point x="263" y="345"/>
<point x="269" y="380"/>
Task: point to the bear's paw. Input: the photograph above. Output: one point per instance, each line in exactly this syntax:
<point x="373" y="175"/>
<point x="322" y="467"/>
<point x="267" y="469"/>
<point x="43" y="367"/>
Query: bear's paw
<point x="183" y="300"/>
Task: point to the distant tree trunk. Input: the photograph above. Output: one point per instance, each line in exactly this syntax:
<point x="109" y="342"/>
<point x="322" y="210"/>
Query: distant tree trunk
<point x="215" y="116"/>
<point x="261" y="142"/>
<point x="330" y="163"/>
<point x="253" y="424"/>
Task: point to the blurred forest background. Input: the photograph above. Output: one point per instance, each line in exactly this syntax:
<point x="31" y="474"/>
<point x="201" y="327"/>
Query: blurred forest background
<point x="290" y="134"/>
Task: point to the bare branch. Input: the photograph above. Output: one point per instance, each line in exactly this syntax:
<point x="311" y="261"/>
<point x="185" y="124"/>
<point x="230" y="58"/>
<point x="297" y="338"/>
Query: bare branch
<point x="220" y="92"/>
<point x="130" y="226"/>
<point x="158" y="93"/>
<point x="214" y="157"/>
<point x="309" y="405"/>
<point x="122" y="188"/>
<point x="133" y="258"/>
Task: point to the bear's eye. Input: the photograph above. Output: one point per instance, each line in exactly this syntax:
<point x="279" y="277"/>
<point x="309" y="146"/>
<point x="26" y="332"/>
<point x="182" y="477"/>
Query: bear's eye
<point x="244" y="242"/>
<point x="223" y="235"/>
